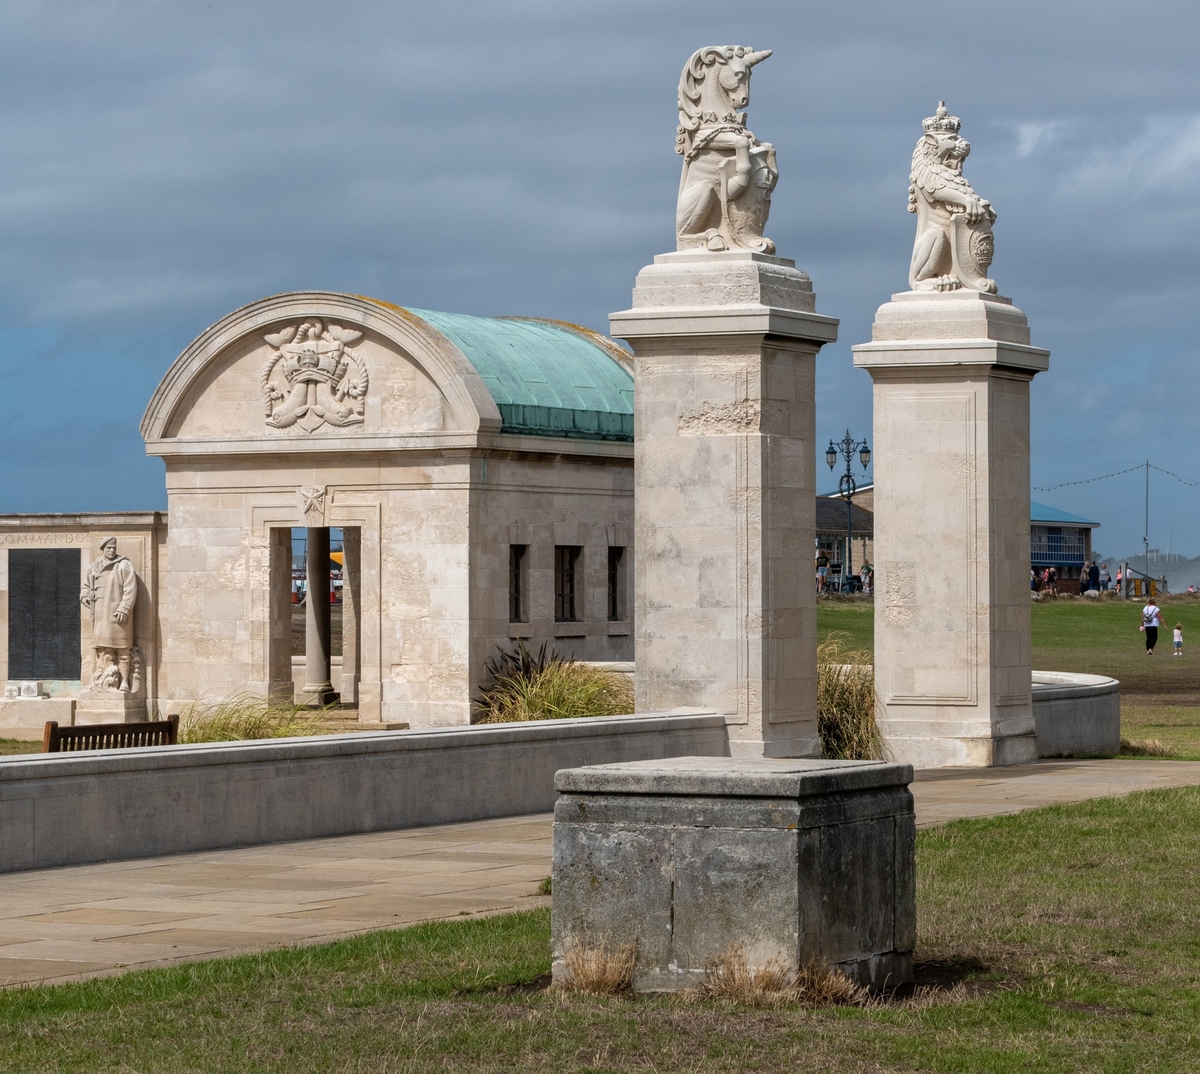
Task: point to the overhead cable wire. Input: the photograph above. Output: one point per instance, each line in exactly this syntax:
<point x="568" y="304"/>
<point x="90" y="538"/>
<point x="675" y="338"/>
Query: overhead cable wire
<point x="1090" y="480"/>
<point x="1117" y="473"/>
<point x="1183" y="480"/>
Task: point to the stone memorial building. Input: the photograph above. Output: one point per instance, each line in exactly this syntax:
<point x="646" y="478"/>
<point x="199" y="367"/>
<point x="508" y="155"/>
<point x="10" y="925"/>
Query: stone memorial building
<point x="481" y="472"/>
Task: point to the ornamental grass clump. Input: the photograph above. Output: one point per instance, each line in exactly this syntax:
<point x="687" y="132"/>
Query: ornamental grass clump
<point x="1145" y="747"/>
<point x="524" y="686"/>
<point x="846" y="701"/>
<point x="730" y="976"/>
<point x="245" y="716"/>
<point x="603" y="970"/>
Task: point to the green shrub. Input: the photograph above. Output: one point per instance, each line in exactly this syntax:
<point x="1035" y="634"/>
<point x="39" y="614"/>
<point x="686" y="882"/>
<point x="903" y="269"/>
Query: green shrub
<point x="846" y="701"/>
<point x="546" y="687"/>
<point x="246" y="716"/>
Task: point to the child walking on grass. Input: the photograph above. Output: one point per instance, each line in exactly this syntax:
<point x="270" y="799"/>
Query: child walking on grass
<point x="1178" y="640"/>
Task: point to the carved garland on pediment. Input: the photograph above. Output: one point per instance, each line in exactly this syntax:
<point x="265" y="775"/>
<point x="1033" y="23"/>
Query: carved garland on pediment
<point x="313" y="378"/>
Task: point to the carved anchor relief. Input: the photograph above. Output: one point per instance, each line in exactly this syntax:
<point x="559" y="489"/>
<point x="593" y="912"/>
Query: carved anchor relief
<point x="313" y="378"/>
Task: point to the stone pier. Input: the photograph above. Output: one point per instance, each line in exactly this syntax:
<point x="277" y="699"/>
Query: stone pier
<point x="725" y="347"/>
<point x="951" y="363"/>
<point x="953" y="665"/>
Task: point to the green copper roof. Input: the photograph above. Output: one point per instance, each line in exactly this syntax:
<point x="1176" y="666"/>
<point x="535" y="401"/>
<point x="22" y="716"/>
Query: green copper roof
<point x="548" y="378"/>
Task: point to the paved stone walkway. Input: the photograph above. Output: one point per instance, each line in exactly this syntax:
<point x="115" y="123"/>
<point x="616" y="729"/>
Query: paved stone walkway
<point x="94" y="920"/>
<point x="945" y="794"/>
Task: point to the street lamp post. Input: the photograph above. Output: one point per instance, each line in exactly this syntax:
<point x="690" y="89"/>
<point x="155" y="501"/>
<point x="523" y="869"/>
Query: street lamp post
<point x="846" y="447"/>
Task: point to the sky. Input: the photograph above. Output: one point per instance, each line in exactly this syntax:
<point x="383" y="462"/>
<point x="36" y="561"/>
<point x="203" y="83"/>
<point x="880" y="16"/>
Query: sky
<point x="162" y="164"/>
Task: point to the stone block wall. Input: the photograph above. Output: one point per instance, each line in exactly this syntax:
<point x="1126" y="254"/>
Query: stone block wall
<point x="141" y="537"/>
<point x="541" y="501"/>
<point x="435" y="535"/>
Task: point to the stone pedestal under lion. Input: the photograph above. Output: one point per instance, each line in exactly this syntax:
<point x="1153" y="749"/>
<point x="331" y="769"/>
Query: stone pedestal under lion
<point x="951" y="364"/>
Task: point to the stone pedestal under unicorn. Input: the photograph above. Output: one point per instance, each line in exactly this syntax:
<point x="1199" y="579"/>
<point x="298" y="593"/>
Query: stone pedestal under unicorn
<point x="728" y="175"/>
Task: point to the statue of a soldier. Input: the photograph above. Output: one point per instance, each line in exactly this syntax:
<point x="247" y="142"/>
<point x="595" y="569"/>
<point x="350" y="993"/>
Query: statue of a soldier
<point x="110" y="590"/>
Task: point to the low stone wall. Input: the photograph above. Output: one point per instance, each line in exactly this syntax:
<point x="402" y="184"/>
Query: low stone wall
<point x="1076" y="714"/>
<point x="66" y="809"/>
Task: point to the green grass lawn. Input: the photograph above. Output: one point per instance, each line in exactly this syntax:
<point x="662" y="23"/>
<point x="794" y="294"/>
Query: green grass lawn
<point x="16" y="745"/>
<point x="854" y="616"/>
<point x="1102" y="638"/>
<point x="1056" y="940"/>
<point x="1160" y="695"/>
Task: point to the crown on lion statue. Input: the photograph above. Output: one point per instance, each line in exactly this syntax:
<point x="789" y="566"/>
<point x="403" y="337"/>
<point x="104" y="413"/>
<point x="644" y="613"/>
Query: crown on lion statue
<point x="942" y="122"/>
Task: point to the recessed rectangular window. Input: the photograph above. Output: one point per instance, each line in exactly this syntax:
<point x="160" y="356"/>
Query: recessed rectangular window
<point x="44" y="620"/>
<point x="518" y="558"/>
<point x="616" y="585"/>
<point x="567" y="607"/>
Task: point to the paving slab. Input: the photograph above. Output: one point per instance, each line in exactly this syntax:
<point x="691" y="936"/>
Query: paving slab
<point x="95" y="920"/>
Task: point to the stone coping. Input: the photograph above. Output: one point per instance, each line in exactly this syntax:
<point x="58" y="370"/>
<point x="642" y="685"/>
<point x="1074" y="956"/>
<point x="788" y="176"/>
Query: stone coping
<point x="733" y="777"/>
<point x="21" y="767"/>
<point x="1061" y="685"/>
<point x="51" y="520"/>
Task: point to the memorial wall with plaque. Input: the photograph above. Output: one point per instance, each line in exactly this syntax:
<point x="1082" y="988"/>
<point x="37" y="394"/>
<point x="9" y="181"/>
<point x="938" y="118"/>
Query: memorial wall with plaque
<point x="43" y="613"/>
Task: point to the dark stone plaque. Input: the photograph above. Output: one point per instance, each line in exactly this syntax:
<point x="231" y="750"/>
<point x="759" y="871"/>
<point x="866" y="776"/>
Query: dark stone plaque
<point x="43" y="613"/>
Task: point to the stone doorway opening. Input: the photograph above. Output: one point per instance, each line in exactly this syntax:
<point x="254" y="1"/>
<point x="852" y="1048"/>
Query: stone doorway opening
<point x="316" y="614"/>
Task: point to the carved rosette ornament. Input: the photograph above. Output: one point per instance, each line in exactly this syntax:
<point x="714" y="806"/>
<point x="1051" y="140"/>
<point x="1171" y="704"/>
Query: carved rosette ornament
<point x="313" y="378"/>
<point x="954" y="243"/>
<point x="728" y="175"/>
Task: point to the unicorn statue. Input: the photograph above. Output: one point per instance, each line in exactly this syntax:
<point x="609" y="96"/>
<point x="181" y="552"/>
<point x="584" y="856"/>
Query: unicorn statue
<point x="728" y="175"/>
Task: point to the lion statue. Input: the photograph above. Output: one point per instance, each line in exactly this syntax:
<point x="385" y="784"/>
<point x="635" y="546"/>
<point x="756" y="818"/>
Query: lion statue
<point x="728" y="175"/>
<point x="954" y="244"/>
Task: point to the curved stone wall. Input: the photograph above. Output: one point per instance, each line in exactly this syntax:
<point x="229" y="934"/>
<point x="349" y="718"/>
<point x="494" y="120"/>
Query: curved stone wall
<point x="1076" y="714"/>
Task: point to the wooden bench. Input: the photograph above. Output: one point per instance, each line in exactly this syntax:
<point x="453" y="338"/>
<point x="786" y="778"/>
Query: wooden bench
<point x="109" y="736"/>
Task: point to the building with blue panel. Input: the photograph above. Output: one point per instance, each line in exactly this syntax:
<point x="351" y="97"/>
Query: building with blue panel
<point x="1060" y="540"/>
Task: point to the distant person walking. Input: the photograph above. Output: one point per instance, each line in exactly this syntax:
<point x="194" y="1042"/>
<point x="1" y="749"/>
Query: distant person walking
<point x="1151" y="621"/>
<point x="1178" y="640"/>
<point x="1033" y="580"/>
<point x="1094" y="577"/>
<point x="1105" y="579"/>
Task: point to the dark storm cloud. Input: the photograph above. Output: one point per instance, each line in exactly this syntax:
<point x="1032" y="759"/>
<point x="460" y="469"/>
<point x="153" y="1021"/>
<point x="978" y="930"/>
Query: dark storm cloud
<point x="163" y="163"/>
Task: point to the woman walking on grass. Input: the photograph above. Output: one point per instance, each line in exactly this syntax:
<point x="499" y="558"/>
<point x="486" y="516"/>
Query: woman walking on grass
<point x="1151" y="621"/>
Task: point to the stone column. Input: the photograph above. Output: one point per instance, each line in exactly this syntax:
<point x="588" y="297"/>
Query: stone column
<point x="725" y="347"/>
<point x="317" y="688"/>
<point x="351" y="602"/>
<point x="951" y="374"/>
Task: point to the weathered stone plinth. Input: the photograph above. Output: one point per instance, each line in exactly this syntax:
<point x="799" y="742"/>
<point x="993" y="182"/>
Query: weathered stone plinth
<point x="725" y="350"/>
<point x="951" y="376"/>
<point x="687" y="858"/>
<point x="109" y="706"/>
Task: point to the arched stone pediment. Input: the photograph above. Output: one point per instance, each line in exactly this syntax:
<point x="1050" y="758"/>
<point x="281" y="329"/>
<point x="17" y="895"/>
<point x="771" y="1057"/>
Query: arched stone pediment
<point x="318" y="371"/>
